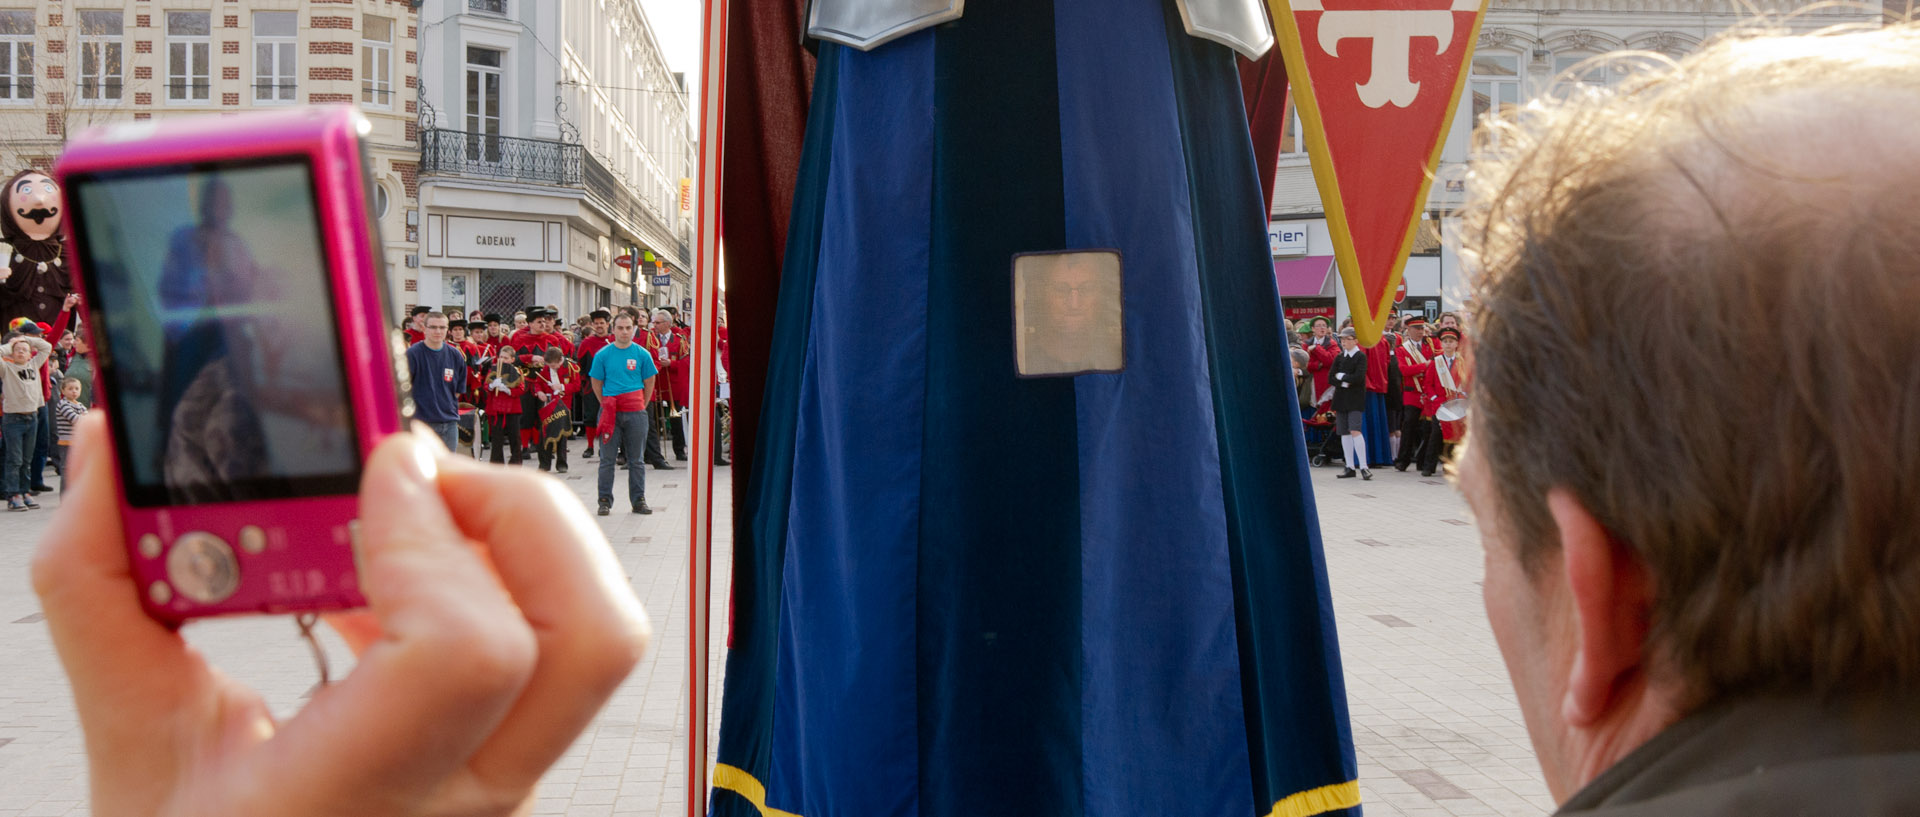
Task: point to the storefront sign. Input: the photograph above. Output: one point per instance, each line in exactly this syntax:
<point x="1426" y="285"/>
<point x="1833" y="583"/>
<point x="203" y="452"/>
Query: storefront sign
<point x="1299" y="309"/>
<point x="495" y="238"/>
<point x="1287" y="238"/>
<point x="663" y="280"/>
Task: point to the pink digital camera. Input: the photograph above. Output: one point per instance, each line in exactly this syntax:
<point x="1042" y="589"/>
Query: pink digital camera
<point x="236" y="303"/>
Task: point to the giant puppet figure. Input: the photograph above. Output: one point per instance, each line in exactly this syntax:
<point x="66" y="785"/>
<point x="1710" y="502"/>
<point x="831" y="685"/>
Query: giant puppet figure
<point x="986" y="566"/>
<point x="34" y="282"/>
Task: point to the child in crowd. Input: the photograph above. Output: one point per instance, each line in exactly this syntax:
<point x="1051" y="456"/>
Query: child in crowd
<point x="66" y="412"/>
<point x="504" y="386"/>
<point x="554" y="385"/>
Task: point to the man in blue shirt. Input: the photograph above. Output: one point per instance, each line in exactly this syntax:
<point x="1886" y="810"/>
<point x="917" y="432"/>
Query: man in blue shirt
<point x="622" y="373"/>
<point x="439" y="372"/>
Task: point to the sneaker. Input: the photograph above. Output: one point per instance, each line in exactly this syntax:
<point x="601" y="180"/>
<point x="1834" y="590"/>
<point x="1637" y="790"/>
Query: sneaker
<point x="31" y="505"/>
<point x="1346" y="474"/>
<point x="606" y="507"/>
<point x="641" y="507"/>
<point x="14" y="503"/>
<point x="1366" y="474"/>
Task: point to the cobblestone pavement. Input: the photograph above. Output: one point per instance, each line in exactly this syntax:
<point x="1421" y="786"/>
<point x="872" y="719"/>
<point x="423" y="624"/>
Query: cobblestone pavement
<point x="1434" y="720"/>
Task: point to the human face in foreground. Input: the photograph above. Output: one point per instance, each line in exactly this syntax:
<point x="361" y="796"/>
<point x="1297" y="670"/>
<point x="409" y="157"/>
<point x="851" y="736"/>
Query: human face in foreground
<point x="623" y="329"/>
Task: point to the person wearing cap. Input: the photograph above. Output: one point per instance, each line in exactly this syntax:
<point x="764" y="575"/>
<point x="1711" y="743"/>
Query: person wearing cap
<point x="21" y="399"/>
<point x="416" y="330"/>
<point x="669" y="350"/>
<point x="1411" y="359"/>
<point x="1349" y="379"/>
<point x="1443" y="381"/>
<point x="599" y="325"/>
<point x="532" y="343"/>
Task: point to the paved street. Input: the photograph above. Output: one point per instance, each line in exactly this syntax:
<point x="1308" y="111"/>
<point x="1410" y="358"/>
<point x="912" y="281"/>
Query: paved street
<point x="1434" y="720"/>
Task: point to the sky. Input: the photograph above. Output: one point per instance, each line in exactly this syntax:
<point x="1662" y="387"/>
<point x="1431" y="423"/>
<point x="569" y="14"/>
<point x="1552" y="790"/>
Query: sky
<point x="676" y="26"/>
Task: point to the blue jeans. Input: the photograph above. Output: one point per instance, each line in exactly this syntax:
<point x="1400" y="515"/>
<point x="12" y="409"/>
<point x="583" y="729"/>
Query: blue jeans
<point x="630" y="428"/>
<point x="42" y="447"/>
<point x="17" y="436"/>
<point x="449" y="432"/>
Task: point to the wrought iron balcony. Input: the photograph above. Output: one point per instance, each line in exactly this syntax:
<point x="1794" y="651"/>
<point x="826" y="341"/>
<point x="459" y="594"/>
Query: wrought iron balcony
<point x="507" y="158"/>
<point x="619" y="200"/>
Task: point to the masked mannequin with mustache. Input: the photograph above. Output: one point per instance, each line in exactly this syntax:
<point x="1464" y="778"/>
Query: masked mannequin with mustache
<point x="34" y="281"/>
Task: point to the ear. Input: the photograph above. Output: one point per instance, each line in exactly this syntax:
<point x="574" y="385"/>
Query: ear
<point x="1611" y="593"/>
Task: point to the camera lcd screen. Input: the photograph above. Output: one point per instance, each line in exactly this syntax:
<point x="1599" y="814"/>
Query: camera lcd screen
<point x="217" y="333"/>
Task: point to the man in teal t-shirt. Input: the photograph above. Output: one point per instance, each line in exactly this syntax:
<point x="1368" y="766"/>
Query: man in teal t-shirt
<point x="622" y="373"/>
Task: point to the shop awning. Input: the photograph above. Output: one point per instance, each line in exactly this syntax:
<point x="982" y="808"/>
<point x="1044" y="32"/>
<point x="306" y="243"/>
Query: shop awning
<point x="1302" y="276"/>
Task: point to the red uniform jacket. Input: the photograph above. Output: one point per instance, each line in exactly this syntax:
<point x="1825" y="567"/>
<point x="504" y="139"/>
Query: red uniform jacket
<point x="530" y="347"/>
<point x="1378" y="358"/>
<point x="590" y="346"/>
<point x="1320" y="363"/>
<point x="569" y="374"/>
<point x="501" y="403"/>
<point x="413" y="335"/>
<point x="1413" y="373"/>
<point x="671" y="360"/>
<point x="1433" y="394"/>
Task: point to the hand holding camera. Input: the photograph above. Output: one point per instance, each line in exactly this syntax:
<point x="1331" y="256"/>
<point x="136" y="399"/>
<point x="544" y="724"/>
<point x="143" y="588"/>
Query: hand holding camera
<point x="497" y="626"/>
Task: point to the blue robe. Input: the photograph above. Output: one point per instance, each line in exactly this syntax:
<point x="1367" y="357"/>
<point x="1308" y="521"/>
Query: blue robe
<point x="969" y="593"/>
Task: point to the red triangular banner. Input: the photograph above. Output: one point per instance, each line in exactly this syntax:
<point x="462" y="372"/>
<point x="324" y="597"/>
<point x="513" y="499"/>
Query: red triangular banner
<point x="1376" y="83"/>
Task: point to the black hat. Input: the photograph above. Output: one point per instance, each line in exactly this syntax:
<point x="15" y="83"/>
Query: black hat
<point x="1416" y="321"/>
<point x="1450" y="332"/>
<point x="493" y="317"/>
<point x="535" y="312"/>
<point x="421" y="310"/>
<point x="600" y="315"/>
<point x="459" y="323"/>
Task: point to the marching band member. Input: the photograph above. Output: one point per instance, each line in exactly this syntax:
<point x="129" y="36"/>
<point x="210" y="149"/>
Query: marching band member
<point x="1321" y="350"/>
<point x="505" y="385"/>
<point x="1444" y="381"/>
<point x="1411" y="358"/>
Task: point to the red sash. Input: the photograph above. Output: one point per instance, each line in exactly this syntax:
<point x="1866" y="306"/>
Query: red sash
<point x="611" y="407"/>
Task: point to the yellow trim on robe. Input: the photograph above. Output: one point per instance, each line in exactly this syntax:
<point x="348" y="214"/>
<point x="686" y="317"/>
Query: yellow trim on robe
<point x="1318" y="801"/>
<point x="739" y="782"/>
<point x="1300" y="804"/>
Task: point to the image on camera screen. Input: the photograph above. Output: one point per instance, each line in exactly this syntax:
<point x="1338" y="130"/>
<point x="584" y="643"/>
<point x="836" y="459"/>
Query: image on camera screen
<point x="217" y="326"/>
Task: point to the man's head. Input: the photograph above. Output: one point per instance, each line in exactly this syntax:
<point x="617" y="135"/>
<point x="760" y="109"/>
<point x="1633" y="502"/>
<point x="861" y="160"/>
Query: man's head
<point x="1641" y="566"/>
<point x="600" y="320"/>
<point x="553" y="357"/>
<point x="1416" y="329"/>
<point x="434" y="327"/>
<point x="1321" y="327"/>
<point x="624" y="327"/>
<point x="1349" y="340"/>
<point x="33" y="207"/>
<point x="662" y="320"/>
<point x="539" y="319"/>
<point x="419" y="317"/>
<point x="457" y="330"/>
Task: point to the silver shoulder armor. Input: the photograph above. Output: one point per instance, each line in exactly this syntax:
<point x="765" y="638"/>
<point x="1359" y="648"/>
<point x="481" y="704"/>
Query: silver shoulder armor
<point x="1237" y="24"/>
<point x="867" y="24"/>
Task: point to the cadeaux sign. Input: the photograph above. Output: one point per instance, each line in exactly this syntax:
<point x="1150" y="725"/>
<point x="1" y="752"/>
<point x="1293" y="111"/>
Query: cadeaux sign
<point x="1376" y="83"/>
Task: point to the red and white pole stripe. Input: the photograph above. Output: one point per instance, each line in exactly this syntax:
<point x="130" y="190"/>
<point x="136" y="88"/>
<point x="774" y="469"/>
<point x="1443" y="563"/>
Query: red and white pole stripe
<point x="705" y="383"/>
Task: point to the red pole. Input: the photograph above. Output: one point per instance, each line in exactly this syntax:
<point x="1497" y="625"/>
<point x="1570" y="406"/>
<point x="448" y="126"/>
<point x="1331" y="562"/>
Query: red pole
<point x="705" y="383"/>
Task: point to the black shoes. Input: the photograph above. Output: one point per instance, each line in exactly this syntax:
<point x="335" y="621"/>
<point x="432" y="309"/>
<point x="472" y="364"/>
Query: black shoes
<point x="560" y="469"/>
<point x="662" y="465"/>
<point x="1365" y="475"/>
<point x="1401" y="466"/>
<point x="641" y="507"/>
<point x="1425" y="473"/>
<point x="1345" y="474"/>
<point x="606" y="507"/>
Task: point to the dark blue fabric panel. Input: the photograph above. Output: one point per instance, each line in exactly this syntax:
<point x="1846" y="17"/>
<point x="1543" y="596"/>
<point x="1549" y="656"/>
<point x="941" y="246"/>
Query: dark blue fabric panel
<point x="999" y="668"/>
<point x="844" y="721"/>
<point x="1376" y="427"/>
<point x="746" y="709"/>
<point x="1296" y="705"/>
<point x="1162" y="720"/>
